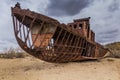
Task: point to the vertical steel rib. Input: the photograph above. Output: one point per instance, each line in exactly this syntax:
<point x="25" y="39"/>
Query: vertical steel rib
<point x="20" y="24"/>
<point x="30" y="29"/>
<point x="13" y="18"/>
<point x="58" y="36"/>
<point x="37" y="34"/>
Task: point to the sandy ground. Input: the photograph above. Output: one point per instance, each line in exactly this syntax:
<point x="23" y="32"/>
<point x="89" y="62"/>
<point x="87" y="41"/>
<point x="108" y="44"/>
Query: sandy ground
<point x="34" y="69"/>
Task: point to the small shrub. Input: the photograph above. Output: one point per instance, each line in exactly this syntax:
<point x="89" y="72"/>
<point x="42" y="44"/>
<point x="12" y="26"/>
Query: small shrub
<point x="13" y="53"/>
<point x="20" y="55"/>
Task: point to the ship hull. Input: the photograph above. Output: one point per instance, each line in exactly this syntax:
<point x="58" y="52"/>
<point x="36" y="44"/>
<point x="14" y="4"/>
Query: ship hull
<point x="48" y="40"/>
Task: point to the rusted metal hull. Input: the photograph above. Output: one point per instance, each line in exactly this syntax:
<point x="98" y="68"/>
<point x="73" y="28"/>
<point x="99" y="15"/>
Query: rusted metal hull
<point x="48" y="40"/>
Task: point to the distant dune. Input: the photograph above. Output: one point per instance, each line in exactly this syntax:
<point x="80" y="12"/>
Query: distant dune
<point x="115" y="49"/>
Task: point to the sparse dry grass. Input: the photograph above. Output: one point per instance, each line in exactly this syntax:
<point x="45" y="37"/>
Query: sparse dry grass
<point x="13" y="53"/>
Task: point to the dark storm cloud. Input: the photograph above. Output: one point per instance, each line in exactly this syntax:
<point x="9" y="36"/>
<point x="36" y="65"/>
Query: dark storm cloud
<point x="110" y="32"/>
<point x="103" y="40"/>
<point x="108" y="36"/>
<point x="66" y="7"/>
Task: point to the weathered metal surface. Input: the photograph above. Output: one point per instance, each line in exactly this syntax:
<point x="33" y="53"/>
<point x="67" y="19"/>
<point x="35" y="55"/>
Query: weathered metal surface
<point x="49" y="40"/>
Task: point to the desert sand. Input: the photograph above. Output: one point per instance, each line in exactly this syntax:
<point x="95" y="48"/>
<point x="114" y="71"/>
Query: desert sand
<point x="30" y="68"/>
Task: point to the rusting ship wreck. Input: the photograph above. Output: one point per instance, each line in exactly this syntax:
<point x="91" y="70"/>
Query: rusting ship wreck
<point x="51" y="41"/>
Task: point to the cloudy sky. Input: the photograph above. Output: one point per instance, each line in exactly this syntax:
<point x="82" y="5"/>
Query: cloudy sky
<point x="105" y="16"/>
